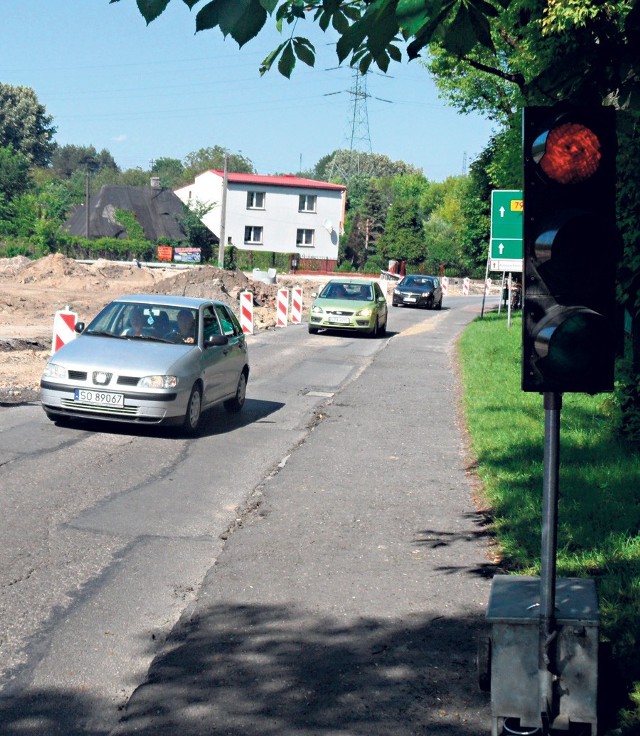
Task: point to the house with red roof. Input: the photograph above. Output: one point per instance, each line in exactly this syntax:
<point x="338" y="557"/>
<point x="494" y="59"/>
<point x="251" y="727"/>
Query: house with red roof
<point x="284" y="214"/>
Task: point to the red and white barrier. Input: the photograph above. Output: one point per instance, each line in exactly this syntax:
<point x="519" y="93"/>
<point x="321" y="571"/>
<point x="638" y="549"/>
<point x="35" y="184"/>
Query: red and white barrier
<point x="282" y="307"/>
<point x="445" y="285"/>
<point x="466" y="283"/>
<point x="296" y="305"/>
<point x="64" y="323"/>
<point x="246" y="312"/>
<point x="487" y="286"/>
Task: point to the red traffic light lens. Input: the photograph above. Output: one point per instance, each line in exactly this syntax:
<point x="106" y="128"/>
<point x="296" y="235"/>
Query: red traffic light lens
<point x="571" y="153"/>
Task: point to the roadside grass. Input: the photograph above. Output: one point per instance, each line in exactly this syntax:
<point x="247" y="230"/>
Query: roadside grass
<point x="599" y="496"/>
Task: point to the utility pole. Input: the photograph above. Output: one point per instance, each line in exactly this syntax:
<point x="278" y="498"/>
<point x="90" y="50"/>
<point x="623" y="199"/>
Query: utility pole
<point x="223" y="215"/>
<point x="86" y="203"/>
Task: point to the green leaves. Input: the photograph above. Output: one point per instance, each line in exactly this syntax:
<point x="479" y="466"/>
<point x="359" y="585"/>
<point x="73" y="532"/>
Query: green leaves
<point x="369" y="30"/>
<point x="151" y="9"/>
<point x="240" y="19"/>
<point x="289" y="52"/>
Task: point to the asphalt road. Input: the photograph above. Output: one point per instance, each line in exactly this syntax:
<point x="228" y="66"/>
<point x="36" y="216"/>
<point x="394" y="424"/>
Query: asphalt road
<point x="311" y="566"/>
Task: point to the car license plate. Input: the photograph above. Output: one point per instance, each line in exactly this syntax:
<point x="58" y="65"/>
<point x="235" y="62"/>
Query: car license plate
<point x="340" y="320"/>
<point x="410" y="299"/>
<point x="98" y="398"/>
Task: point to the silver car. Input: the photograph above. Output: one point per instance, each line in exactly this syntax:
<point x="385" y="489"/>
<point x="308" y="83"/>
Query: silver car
<point x="149" y="359"/>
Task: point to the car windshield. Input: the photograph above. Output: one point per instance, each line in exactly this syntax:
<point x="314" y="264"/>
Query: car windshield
<point x="421" y="281"/>
<point x="155" y="322"/>
<point x="345" y="290"/>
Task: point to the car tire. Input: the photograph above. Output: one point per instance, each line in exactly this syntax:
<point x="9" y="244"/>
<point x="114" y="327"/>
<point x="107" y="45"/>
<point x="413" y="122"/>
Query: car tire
<point x="439" y="304"/>
<point x="235" y="404"/>
<point x="374" y="330"/>
<point x="59" y="419"/>
<point x="430" y="304"/>
<point x="313" y="330"/>
<point x="383" y="328"/>
<point x="393" y="304"/>
<point x="191" y="422"/>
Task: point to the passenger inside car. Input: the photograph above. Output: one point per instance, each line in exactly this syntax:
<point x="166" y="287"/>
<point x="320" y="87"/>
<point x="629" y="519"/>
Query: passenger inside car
<point x="186" y="327"/>
<point x="137" y="324"/>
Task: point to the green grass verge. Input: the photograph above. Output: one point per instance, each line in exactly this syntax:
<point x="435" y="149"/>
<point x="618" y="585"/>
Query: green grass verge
<point x="599" y="498"/>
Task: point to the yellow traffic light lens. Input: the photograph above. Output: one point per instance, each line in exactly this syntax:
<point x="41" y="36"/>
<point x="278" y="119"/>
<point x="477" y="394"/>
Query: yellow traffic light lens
<point x="572" y="154"/>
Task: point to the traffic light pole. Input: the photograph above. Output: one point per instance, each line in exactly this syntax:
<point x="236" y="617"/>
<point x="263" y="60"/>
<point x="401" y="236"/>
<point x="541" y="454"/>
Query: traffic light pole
<point x="550" y="491"/>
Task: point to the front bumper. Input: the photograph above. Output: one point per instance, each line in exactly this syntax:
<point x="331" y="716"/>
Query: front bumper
<point x="154" y="407"/>
<point x="342" y="322"/>
<point x="412" y="300"/>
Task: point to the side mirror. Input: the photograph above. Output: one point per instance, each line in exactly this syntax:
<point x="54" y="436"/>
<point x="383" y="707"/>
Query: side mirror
<point x="79" y="328"/>
<point x="214" y="340"/>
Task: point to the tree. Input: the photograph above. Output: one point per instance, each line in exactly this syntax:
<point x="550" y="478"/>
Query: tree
<point x="404" y="237"/>
<point x="14" y="173"/>
<point x="213" y="158"/>
<point x="198" y="234"/>
<point x="24" y="124"/>
<point x="68" y="159"/>
<point x="170" y="171"/>
<point x="343" y="165"/>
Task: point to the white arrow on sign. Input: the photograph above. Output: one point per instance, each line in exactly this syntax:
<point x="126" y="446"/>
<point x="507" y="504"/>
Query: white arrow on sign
<point x="501" y="211"/>
<point x="501" y="248"/>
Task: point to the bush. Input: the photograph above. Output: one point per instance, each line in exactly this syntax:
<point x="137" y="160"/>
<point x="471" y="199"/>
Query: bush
<point x="373" y="265"/>
<point x="346" y="267"/>
<point x="247" y="260"/>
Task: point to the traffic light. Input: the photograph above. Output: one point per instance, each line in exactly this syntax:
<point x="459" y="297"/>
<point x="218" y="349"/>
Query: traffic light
<point x="571" y="249"/>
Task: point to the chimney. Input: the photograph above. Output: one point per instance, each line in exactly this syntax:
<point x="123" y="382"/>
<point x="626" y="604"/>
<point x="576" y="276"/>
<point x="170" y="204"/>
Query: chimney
<point x="155" y="182"/>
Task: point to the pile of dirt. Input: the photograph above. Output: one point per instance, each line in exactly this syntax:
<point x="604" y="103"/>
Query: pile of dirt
<point x="32" y="291"/>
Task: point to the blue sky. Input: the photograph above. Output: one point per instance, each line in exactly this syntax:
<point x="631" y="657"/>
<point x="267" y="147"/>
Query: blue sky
<point x="145" y="92"/>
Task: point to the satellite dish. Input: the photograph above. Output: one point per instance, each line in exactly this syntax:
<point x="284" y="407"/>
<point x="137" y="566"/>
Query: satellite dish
<point x="328" y="226"/>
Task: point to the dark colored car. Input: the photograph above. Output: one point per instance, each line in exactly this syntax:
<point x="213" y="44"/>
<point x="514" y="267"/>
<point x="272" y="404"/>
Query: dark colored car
<point x="418" y="291"/>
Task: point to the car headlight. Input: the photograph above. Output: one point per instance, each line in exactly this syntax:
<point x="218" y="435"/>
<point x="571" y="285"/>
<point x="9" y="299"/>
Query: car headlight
<point x="366" y="312"/>
<point x="53" y="370"/>
<point x="316" y="309"/>
<point x="158" y="382"/>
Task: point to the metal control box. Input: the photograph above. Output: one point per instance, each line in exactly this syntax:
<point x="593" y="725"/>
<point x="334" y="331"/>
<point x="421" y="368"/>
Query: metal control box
<point x="514" y="614"/>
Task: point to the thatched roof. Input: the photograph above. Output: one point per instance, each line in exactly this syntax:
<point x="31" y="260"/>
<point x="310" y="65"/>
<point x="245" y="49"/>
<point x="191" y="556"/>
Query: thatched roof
<point x="158" y="211"/>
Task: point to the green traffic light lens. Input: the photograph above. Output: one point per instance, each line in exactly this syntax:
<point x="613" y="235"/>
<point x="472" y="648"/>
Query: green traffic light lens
<point x="572" y="343"/>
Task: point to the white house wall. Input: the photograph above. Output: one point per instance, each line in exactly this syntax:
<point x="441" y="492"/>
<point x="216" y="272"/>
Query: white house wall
<point x="280" y="219"/>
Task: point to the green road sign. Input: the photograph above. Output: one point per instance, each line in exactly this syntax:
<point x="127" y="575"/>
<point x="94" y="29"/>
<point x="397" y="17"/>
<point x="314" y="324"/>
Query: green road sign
<point x="506" y="227"/>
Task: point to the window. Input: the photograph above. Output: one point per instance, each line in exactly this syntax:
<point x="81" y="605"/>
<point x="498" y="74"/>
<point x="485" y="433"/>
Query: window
<point x="228" y="326"/>
<point x="304" y="238"/>
<point x="210" y="323"/>
<point x="255" y="200"/>
<point x="252" y="234"/>
<point x="307" y="203"/>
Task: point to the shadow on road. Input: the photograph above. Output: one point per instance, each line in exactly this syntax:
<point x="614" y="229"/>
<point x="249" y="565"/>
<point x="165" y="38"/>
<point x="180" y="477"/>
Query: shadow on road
<point x="252" y="670"/>
<point x="247" y="670"/>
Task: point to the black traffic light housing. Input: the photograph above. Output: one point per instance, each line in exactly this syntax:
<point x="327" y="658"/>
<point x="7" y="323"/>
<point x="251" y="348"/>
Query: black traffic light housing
<point x="571" y="249"/>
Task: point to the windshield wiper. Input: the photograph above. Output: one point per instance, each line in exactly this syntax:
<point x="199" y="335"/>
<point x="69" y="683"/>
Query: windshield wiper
<point x="102" y="333"/>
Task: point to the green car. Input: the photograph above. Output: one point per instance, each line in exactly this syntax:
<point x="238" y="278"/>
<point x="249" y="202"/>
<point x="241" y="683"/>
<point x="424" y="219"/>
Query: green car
<point x="350" y="304"/>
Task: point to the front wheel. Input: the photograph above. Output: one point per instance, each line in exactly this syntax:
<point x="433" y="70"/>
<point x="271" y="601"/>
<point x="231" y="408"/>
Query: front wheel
<point x="235" y="404"/>
<point x="191" y="421"/>
<point x="313" y="330"/>
<point x="439" y="304"/>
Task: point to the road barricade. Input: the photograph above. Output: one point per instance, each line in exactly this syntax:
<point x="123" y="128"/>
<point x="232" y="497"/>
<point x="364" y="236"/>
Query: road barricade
<point x="296" y="305"/>
<point x="282" y="308"/>
<point x="246" y="312"/>
<point x="64" y="328"/>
